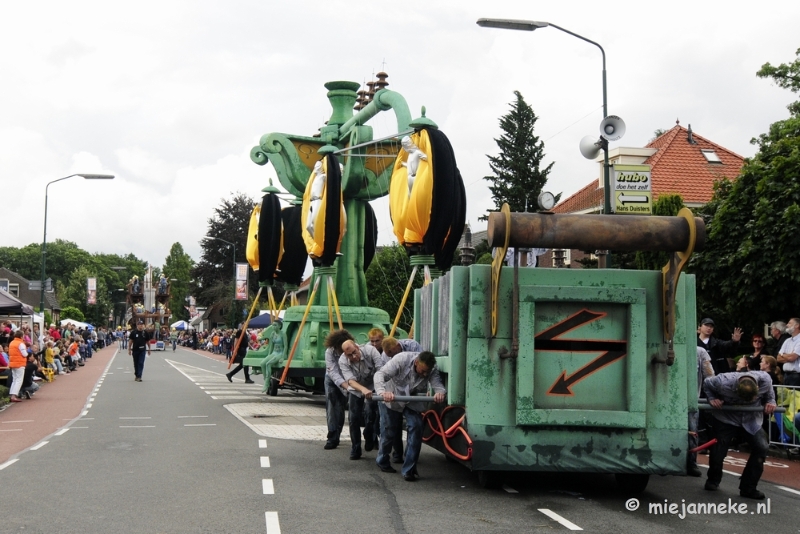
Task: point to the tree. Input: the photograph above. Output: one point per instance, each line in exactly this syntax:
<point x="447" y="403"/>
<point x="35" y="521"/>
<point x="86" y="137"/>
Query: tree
<point x="666" y="205"/>
<point x="178" y="269"/>
<point x="214" y="273"/>
<point x="387" y="277"/>
<point x="658" y="133"/>
<point x="748" y="273"/>
<point x="518" y="176"/>
<point x="71" y="312"/>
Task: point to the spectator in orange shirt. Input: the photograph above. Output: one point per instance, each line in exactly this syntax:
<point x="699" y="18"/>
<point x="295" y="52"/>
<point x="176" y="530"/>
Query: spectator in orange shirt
<point x="215" y="342"/>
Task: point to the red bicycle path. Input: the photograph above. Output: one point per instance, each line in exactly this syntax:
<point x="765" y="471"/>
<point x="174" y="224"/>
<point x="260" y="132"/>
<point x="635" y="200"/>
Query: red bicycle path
<point x="57" y="403"/>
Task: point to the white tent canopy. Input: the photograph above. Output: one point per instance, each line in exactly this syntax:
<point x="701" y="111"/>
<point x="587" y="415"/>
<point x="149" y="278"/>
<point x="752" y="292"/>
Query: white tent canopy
<point x="78" y="324"/>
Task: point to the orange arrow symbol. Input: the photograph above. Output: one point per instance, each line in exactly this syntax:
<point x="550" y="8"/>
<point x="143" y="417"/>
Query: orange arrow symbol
<point x="550" y="340"/>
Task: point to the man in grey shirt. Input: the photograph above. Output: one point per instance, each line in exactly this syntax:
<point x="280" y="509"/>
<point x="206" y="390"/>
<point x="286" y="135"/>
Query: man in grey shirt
<point x="407" y="373"/>
<point x="392" y="347"/>
<point x="335" y="386"/>
<point x="358" y="365"/>
<point x="753" y="388"/>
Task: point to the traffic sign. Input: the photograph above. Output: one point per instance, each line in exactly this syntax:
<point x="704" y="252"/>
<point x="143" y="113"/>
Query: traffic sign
<point x="632" y="189"/>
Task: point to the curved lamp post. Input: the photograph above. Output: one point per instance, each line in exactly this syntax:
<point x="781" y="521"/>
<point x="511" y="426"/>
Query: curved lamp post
<point x="531" y="25"/>
<point x="44" y="238"/>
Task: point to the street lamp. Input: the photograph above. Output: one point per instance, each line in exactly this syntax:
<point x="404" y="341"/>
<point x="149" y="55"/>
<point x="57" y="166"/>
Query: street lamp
<point x="234" y="261"/>
<point x="531" y="25"/>
<point x="44" y="238"/>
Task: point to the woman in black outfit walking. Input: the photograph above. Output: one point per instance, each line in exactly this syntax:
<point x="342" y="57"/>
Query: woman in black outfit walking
<point x="239" y="358"/>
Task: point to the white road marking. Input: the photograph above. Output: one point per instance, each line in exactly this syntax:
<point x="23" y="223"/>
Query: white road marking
<point x="790" y="490"/>
<point x="11" y="430"/>
<point x="39" y="445"/>
<point x="89" y="405"/>
<point x="273" y="526"/>
<point x="233" y="397"/>
<point x="61" y="432"/>
<point x="556" y="517"/>
<point x="84" y="412"/>
<point x="262" y="444"/>
<point x="135" y="417"/>
<point x="509" y="489"/>
<point x="203" y="424"/>
<point x="3" y="466"/>
<point x="139" y="426"/>
<point x="20" y="421"/>
<point x="265" y="461"/>
<point x="267" y="486"/>
<point x="188" y="416"/>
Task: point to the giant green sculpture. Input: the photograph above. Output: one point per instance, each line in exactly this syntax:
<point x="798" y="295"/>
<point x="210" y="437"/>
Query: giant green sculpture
<point x="366" y="176"/>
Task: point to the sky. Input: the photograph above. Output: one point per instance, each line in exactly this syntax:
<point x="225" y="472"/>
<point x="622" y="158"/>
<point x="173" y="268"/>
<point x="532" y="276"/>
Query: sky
<point x="171" y="96"/>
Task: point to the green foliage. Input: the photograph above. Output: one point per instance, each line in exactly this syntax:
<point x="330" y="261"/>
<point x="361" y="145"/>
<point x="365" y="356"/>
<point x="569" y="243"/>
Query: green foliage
<point x="786" y="75"/>
<point x="230" y="222"/>
<point x="178" y="270"/>
<point x="657" y="133"/>
<point x="70" y="312"/>
<point x="748" y="272"/>
<point x="667" y="205"/>
<point x="387" y="278"/>
<point x="484" y="259"/>
<point x="63" y="259"/>
<point x="518" y="177"/>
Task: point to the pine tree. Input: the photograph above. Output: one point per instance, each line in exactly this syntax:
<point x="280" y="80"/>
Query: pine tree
<point x="518" y="178"/>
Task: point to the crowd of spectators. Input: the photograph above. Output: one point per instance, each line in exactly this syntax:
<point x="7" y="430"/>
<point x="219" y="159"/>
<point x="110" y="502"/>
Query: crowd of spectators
<point x="30" y="356"/>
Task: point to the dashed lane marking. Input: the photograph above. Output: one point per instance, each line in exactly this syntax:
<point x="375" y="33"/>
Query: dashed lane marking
<point x="552" y="515"/>
<point x="20" y="421"/>
<point x="509" y="489"/>
<point x="267" y="486"/>
<point x="139" y="426"/>
<point x="202" y="424"/>
<point x="262" y="444"/>
<point x="273" y="525"/>
<point x="61" y="432"/>
<point x="265" y="461"/>
<point x="3" y="466"/>
<point x="39" y="445"/>
<point x="190" y="416"/>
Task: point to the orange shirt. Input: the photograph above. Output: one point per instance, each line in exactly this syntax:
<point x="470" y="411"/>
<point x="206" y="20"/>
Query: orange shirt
<point x="15" y="356"/>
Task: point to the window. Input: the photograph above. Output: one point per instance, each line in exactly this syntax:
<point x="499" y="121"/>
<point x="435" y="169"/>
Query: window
<point x="13" y="289"/>
<point x="711" y="156"/>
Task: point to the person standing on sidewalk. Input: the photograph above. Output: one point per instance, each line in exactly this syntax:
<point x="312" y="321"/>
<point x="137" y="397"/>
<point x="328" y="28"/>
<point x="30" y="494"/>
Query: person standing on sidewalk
<point x="17" y="359"/>
<point x="139" y="343"/>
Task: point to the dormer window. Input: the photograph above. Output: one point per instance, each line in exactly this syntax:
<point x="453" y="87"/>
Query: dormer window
<point x="711" y="156"/>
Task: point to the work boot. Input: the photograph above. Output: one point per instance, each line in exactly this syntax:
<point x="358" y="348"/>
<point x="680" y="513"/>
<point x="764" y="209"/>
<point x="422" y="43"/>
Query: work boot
<point x="752" y="493"/>
<point x="711" y="486"/>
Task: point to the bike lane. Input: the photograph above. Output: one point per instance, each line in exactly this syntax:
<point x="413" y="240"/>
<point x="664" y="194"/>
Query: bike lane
<point x="777" y="468"/>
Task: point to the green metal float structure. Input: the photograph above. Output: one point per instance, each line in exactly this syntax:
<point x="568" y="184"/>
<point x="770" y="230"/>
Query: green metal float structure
<point x="367" y="169"/>
<point x="547" y="369"/>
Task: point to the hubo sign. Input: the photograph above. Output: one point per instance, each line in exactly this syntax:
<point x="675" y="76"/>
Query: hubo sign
<point x="632" y="191"/>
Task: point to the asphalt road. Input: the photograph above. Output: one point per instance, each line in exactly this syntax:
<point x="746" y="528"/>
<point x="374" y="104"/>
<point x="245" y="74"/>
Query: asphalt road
<point x="187" y="451"/>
